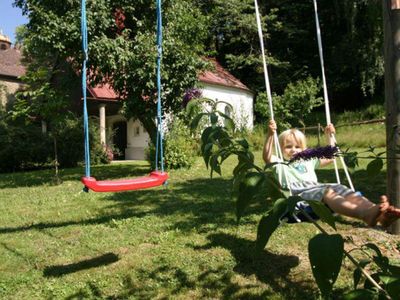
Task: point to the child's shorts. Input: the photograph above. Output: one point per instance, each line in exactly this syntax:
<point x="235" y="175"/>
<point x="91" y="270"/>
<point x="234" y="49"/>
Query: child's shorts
<point x="309" y="190"/>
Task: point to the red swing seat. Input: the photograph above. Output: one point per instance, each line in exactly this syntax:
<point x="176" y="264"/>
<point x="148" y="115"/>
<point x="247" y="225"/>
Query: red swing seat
<point x="155" y="178"/>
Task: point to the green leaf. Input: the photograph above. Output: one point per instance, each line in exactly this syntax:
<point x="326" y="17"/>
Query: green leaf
<point x="394" y="270"/>
<point x="241" y="167"/>
<point x="215" y="165"/>
<point x="273" y="188"/>
<point x="229" y="123"/>
<point x="292" y="201"/>
<point x="375" y="248"/>
<point x="357" y="272"/>
<point x="392" y="286"/>
<point x="323" y="212"/>
<point x="270" y="222"/>
<point x="379" y="259"/>
<point x="207" y="151"/>
<point x="249" y="189"/>
<point x="205" y="136"/>
<point x="374" y="167"/>
<point x="326" y="255"/>
<point x="351" y="159"/>
<point x="243" y="143"/>
<point x="196" y="120"/>
<point x="361" y="294"/>
<point x="213" y="118"/>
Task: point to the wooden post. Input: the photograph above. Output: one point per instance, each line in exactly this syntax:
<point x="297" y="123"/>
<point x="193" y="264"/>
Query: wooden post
<point x="102" y="115"/>
<point x="391" y="19"/>
<point x="319" y="134"/>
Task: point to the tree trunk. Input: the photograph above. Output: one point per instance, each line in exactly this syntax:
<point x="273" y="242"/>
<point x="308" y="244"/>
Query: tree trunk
<point x="150" y="126"/>
<point x="391" y="19"/>
<point x="56" y="175"/>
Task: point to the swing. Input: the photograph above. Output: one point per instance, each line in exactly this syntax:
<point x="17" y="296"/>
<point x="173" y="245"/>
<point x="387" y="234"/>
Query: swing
<point x="155" y="178"/>
<point x="302" y="205"/>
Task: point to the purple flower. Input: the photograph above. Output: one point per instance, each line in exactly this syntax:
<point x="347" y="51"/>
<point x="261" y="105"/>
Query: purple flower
<point x="327" y="152"/>
<point x="190" y="94"/>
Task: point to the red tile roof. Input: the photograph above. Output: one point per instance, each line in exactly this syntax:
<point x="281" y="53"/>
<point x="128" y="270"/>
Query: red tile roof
<point x="104" y="92"/>
<point x="217" y="76"/>
<point x="220" y="76"/>
<point x="10" y="63"/>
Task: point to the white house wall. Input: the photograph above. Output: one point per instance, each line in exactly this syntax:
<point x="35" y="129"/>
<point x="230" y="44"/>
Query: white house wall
<point x="137" y="140"/>
<point x="240" y="100"/>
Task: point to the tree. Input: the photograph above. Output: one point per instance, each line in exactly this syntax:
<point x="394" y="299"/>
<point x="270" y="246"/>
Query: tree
<point x="294" y="105"/>
<point x="352" y="39"/>
<point x="20" y="33"/>
<point x="41" y="100"/>
<point x="234" y="38"/>
<point x="122" y="52"/>
<point x="391" y="11"/>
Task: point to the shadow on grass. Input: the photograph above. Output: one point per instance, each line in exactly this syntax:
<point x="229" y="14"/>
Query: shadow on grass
<point x="41" y="177"/>
<point x="220" y="282"/>
<point x="188" y="198"/>
<point x="93" y="221"/>
<point x="204" y="202"/>
<point x="272" y="269"/>
<point x="103" y="260"/>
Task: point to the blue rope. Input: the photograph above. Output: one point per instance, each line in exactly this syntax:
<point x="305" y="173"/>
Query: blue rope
<point x="85" y="112"/>
<point x="159" y="144"/>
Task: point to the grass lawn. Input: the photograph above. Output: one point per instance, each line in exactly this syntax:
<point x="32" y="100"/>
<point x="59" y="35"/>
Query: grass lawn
<point x="179" y="241"/>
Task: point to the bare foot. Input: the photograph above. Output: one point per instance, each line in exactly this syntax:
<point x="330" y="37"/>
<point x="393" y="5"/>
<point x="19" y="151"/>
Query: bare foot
<point x="383" y="213"/>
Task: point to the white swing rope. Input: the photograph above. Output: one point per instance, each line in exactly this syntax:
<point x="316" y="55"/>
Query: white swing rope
<point x="266" y="77"/>
<point x="278" y="149"/>
<point x="326" y="100"/>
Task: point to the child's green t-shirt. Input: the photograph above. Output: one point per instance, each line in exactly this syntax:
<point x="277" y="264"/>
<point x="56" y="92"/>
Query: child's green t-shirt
<point x="296" y="172"/>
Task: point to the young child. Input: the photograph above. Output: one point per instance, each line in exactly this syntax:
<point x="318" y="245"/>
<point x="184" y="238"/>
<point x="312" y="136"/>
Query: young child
<point x="300" y="177"/>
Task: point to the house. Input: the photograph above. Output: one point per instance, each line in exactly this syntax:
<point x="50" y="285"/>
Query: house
<point x="219" y="84"/>
<point x="10" y="71"/>
<point x="129" y="136"/>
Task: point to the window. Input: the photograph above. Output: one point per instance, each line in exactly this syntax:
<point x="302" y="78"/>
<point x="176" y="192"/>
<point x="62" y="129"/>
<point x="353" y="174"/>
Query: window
<point x="137" y="131"/>
<point x="228" y="112"/>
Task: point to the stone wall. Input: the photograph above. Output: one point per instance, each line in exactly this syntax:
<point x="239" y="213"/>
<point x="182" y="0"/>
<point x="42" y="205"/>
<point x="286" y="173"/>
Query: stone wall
<point x="8" y="88"/>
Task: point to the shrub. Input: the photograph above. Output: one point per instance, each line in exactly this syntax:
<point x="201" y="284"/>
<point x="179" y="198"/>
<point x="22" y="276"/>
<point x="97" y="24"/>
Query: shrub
<point x="256" y="138"/>
<point x="179" y="147"/>
<point x="23" y="146"/>
<point x="71" y="143"/>
<point x="374" y="111"/>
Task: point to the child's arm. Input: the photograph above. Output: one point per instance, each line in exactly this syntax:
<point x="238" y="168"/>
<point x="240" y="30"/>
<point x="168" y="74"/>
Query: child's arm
<point x="269" y="142"/>
<point x="329" y="131"/>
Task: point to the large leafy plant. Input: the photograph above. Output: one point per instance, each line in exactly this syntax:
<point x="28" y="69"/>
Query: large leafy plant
<point x="254" y="183"/>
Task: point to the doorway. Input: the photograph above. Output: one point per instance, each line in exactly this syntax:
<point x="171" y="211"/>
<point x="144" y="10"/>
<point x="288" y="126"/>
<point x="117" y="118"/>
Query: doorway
<point x="120" y="139"/>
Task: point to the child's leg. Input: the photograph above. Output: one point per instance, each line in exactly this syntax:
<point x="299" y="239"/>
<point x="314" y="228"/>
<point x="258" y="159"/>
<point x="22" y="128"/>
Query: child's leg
<point x="361" y="208"/>
<point x="352" y="205"/>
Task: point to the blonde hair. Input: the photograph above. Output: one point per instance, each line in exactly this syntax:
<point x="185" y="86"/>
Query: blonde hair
<point x="294" y="134"/>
